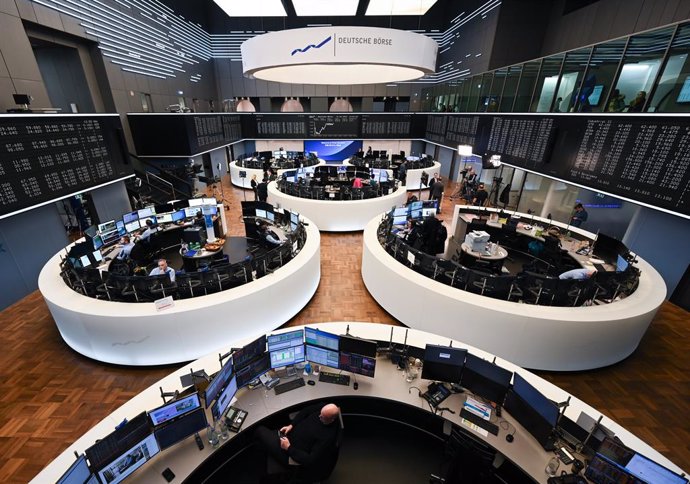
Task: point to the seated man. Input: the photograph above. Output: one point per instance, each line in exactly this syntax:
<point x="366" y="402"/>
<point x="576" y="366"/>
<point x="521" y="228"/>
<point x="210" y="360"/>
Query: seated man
<point x="267" y="236"/>
<point x="126" y="249"/>
<point x="150" y="229"/>
<point x="580" y="274"/>
<point x="307" y="440"/>
<point x="163" y="269"/>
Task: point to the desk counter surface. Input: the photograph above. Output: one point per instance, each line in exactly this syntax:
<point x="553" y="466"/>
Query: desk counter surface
<point x="389" y="384"/>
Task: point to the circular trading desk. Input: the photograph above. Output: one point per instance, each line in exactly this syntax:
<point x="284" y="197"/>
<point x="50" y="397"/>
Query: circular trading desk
<point x="413" y="179"/>
<point x="337" y="215"/>
<point x="141" y="335"/>
<point x="539" y="337"/>
<point x="245" y="182"/>
<point x="381" y="397"/>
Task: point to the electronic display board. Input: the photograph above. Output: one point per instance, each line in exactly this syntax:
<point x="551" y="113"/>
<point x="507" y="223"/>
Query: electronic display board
<point x="345" y="126"/>
<point x="385" y="125"/>
<point x="274" y="126"/>
<point x="44" y="158"/>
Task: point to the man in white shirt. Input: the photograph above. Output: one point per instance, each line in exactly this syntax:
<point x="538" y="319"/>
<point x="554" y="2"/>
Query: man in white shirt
<point x="150" y="229"/>
<point x="126" y="249"/>
<point x="163" y="269"/>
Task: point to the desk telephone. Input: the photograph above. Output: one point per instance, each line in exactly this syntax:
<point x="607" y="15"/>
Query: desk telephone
<point x="436" y="393"/>
<point x="235" y="418"/>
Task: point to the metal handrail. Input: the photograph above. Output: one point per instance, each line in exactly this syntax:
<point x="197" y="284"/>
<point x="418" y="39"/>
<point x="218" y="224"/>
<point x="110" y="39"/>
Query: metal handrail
<point x="165" y="182"/>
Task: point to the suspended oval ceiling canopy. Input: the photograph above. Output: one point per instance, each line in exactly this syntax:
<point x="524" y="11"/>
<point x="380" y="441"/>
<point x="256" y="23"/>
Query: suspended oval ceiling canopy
<point x="339" y="55"/>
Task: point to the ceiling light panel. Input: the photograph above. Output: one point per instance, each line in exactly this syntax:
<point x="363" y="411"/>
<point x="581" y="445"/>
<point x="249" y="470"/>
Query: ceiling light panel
<point x="399" y="7"/>
<point x="253" y="8"/>
<point x="325" y="8"/>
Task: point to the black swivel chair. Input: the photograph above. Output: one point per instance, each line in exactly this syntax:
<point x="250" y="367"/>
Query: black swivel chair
<point x="539" y="289"/>
<point x="186" y="283"/>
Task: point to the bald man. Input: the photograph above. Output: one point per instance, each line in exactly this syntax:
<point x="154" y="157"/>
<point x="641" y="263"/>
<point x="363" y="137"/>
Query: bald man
<point x="311" y="434"/>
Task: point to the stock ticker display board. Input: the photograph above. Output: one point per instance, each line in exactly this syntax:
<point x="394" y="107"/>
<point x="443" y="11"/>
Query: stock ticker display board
<point x="642" y="158"/>
<point x="48" y="157"/>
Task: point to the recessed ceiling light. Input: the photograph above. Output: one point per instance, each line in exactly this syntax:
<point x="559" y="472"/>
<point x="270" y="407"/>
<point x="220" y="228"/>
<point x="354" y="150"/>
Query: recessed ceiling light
<point x="399" y="7"/>
<point x="325" y="8"/>
<point x="253" y="8"/>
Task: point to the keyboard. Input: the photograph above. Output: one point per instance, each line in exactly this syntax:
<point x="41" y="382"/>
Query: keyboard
<point x="479" y="421"/>
<point x="337" y="378"/>
<point x="290" y="385"/>
<point x="108" y="250"/>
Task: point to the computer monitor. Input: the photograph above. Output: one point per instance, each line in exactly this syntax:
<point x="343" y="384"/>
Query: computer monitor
<point x="260" y="213"/>
<point x="209" y="210"/>
<point x="190" y="212"/>
<point x="636" y="464"/>
<point x="428" y="212"/>
<point x="443" y="363"/>
<point x="621" y="264"/>
<point x="163" y="208"/>
<point x="316" y="337"/>
<point x="174" y="409"/>
<point x="608" y="248"/>
<point x="121" y="230"/>
<point x="351" y="344"/>
<point x="416" y="205"/>
<point x="97" y="256"/>
<point x="401" y="220"/>
<point x="143" y="224"/>
<point x="146" y="212"/>
<point x="78" y="472"/>
<point x="293" y="226"/>
<point x="132" y="226"/>
<point x="129" y="461"/>
<point x="401" y="212"/>
<point x="287" y="356"/>
<point x="97" y="242"/>
<point x="108" y="226"/>
<point x="285" y="340"/>
<point x="130" y="217"/>
<point x="359" y="364"/>
<point x="323" y="356"/>
<point x="85" y="261"/>
<point x="195" y="202"/>
<point x="604" y="471"/>
<point x="246" y="354"/>
<point x="218" y="383"/>
<point x="486" y="379"/>
<point x="416" y="213"/>
<point x="271" y="216"/>
<point x="534" y="411"/>
<point x="178" y="216"/>
<point x="116" y="443"/>
<point x="177" y="430"/>
<point x="180" y="204"/>
<point x="294" y="218"/>
<point x="164" y="218"/>
<point x="91" y="232"/>
<point x="253" y="370"/>
<point x="224" y="399"/>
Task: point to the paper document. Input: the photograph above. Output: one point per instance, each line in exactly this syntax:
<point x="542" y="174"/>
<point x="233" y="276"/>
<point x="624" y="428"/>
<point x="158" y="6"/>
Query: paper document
<point x="478" y="408"/>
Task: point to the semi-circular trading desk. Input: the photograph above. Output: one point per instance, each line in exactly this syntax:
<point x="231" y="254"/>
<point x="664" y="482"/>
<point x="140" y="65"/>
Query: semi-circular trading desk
<point x="337" y="215"/>
<point x="539" y="337"/>
<point x="413" y="179"/>
<point x="387" y="388"/>
<point x="138" y="334"/>
<point x="235" y="170"/>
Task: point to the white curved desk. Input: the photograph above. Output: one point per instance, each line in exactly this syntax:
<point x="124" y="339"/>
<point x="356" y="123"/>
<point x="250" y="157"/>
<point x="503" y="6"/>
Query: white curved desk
<point x="539" y="337"/>
<point x="246" y="182"/>
<point x="414" y="177"/>
<point x="388" y="384"/>
<point x="337" y="215"/>
<point x="137" y="334"/>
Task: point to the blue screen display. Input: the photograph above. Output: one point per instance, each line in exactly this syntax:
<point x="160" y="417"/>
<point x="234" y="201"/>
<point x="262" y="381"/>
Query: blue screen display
<point x="333" y="150"/>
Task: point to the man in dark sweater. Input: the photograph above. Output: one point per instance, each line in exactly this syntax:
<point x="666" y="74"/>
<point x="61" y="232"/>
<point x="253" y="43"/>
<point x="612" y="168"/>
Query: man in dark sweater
<point x="307" y="439"/>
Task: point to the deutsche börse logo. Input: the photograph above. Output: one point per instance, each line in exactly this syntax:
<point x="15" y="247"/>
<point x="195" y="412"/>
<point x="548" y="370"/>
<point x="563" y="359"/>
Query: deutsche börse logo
<point x="312" y="46"/>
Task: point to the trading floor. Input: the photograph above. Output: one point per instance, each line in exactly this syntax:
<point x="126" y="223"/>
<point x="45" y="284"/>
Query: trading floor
<point x="51" y="395"/>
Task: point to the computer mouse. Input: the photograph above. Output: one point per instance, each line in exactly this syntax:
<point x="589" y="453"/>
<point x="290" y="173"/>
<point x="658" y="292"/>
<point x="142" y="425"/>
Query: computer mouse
<point x="311" y="382"/>
<point x="355" y="385"/>
<point x="510" y="438"/>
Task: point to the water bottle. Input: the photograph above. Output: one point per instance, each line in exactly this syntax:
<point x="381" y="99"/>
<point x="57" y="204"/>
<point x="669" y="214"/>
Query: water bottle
<point x="212" y="436"/>
<point x="223" y="428"/>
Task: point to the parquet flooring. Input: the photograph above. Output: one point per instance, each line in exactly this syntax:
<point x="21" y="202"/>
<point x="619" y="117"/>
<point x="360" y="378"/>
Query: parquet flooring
<point x="50" y="395"/>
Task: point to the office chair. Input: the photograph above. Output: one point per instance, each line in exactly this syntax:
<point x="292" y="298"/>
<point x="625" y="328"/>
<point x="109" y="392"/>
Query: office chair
<point x="161" y="286"/>
<point x="186" y="283"/>
<point x="468" y="460"/>
<point x="542" y="288"/>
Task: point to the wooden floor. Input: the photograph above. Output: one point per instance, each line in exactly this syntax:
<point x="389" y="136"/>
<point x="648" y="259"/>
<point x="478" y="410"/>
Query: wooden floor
<point x="50" y="395"/>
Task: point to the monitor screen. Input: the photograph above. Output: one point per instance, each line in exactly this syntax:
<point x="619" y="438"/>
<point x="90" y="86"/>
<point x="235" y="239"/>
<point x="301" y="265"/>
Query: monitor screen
<point x="595" y="97"/>
<point x="130" y="217"/>
<point x="684" y="94"/>
<point x="400" y="212"/>
<point x="142" y="221"/>
<point x="621" y="264"/>
<point x="190" y="212"/>
<point x="179" y="215"/>
<point x="97" y="256"/>
<point x="132" y="226"/>
<point x="175" y="409"/>
<point x="78" y="472"/>
<point x="402" y="220"/>
<point x="107" y="227"/>
<point x="287" y="356"/>
<point x="224" y="399"/>
<point x="636" y="464"/>
<point x="428" y="212"/>
<point x="91" y="231"/>
<point x="293" y="226"/>
<point x="359" y="364"/>
<point x="485" y="379"/>
<point x="130" y="460"/>
<point x="146" y="212"/>
<point x="443" y="363"/>
<point x="177" y="430"/>
<point x="538" y="402"/>
<point x="416" y="213"/>
<point x="97" y="242"/>
<point x="245" y="355"/>
<point x="209" y="210"/>
<point x="333" y="150"/>
<point x="195" y="202"/>
<point x="218" y="382"/>
<point x="285" y="340"/>
<point x="164" y="218"/>
<point x="323" y="356"/>
<point x="163" y="208"/>
<point x="294" y="218"/>
<point x="180" y="204"/>
<point x="260" y="213"/>
<point x="253" y="370"/>
<point x="121" y="230"/>
<point x="603" y="471"/>
<point x="271" y="216"/>
<point x="125" y="437"/>
<point x="416" y="205"/>
<point x="316" y="337"/>
<point x="85" y="261"/>
<point x="351" y="344"/>
<point x="608" y="248"/>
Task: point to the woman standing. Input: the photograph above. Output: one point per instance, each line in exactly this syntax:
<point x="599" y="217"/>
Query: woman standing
<point x="254" y="184"/>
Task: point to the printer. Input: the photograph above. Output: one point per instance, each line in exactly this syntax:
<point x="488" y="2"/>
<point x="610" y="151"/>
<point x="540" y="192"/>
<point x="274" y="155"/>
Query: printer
<point x="477" y="240"/>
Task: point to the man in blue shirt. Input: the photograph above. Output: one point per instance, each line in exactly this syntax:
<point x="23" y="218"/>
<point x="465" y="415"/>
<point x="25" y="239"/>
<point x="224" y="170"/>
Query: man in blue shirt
<point x="150" y="229"/>
<point x="126" y="249"/>
<point x="163" y="269"/>
<point x="579" y="217"/>
<point x="579" y="274"/>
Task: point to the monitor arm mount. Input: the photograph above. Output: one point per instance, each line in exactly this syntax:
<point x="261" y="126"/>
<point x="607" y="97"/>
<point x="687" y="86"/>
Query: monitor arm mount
<point x="171" y="395"/>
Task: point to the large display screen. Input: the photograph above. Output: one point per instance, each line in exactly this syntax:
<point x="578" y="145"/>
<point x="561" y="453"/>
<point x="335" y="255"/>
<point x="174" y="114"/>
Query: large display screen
<point x="44" y="158"/>
<point x="333" y="126"/>
<point x="333" y="150"/>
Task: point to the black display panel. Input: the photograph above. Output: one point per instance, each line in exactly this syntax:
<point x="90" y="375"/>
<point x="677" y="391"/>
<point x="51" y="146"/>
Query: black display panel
<point x="452" y="130"/>
<point x="330" y="126"/>
<point x="114" y="444"/>
<point x="352" y="344"/>
<point x="384" y="126"/>
<point x="524" y="140"/>
<point x="274" y="126"/>
<point x="209" y="131"/>
<point x="45" y="157"/>
<point x="178" y="430"/>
